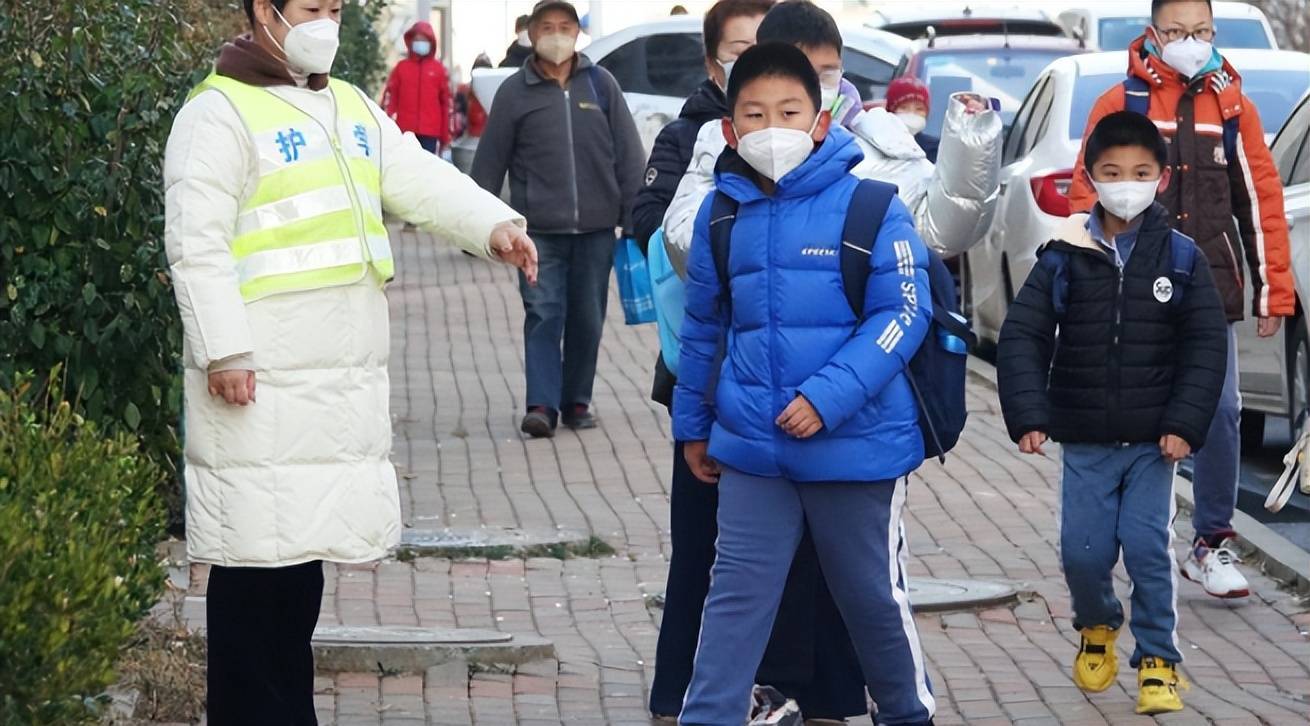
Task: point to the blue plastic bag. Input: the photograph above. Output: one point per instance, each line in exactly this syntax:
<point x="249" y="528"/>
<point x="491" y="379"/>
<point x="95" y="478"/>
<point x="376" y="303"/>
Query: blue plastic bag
<point x="670" y="300"/>
<point x="634" y="282"/>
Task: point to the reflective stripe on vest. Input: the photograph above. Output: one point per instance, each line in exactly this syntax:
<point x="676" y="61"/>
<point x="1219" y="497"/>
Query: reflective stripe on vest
<point x="315" y="217"/>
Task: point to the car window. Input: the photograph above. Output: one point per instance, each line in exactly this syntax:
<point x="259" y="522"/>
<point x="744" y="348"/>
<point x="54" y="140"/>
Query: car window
<point x="1013" y="137"/>
<point x="870" y="75"/>
<point x="1240" y="33"/>
<point x="1301" y="171"/>
<point x="1002" y="73"/>
<point x="669" y="64"/>
<point x="1085" y="92"/>
<point x="1040" y="118"/>
<point x="1274" y="93"/>
<point x="1119" y="33"/>
<point x="1291" y="140"/>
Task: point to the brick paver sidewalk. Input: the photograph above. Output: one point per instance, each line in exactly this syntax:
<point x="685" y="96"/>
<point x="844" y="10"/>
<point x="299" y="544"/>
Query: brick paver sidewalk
<point x="988" y="514"/>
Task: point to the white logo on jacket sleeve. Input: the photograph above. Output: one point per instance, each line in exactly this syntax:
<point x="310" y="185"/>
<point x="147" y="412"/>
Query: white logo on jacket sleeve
<point x="1164" y="289"/>
<point x="818" y="252"/>
<point x="904" y="258"/>
<point x="891" y="335"/>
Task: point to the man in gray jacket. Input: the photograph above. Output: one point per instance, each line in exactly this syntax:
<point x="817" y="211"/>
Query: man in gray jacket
<point x="562" y="130"/>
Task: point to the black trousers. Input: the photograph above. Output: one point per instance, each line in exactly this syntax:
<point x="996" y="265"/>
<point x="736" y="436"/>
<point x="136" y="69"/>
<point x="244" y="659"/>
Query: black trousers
<point x="809" y="657"/>
<point x="261" y="665"/>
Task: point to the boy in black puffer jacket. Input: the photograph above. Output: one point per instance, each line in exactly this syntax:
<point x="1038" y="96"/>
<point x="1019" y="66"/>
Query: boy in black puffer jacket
<point x="1116" y="348"/>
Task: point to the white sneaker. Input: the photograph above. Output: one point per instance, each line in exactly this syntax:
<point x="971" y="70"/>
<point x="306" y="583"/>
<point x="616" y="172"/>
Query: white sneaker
<point x="1215" y="570"/>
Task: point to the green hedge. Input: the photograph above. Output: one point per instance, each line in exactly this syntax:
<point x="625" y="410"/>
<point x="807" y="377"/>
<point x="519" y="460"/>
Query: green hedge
<point x="95" y="84"/>
<point x="91" y="88"/>
<point x="79" y="522"/>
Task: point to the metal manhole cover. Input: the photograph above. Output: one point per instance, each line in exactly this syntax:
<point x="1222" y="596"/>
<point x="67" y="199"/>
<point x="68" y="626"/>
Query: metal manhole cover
<point x="929" y="595"/>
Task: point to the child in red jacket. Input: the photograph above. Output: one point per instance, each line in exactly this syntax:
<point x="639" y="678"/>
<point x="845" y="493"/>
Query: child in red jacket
<point x="418" y="92"/>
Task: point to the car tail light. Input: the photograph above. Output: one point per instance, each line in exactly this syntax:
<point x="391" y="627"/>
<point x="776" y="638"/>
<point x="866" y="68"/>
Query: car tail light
<point x="1052" y="192"/>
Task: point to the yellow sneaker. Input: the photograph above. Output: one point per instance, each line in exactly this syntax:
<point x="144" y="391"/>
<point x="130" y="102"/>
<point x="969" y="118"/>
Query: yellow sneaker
<point x="1097" y="665"/>
<point x="1159" y="682"/>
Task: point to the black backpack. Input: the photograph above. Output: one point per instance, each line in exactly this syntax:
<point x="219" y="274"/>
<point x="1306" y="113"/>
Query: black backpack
<point x="938" y="369"/>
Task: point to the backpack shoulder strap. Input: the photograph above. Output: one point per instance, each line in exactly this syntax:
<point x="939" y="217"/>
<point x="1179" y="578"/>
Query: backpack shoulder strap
<point x="1057" y="261"/>
<point x="602" y="96"/>
<point x="1182" y="258"/>
<point x="864" y="216"/>
<point x="723" y="214"/>
<point x="1230" y="138"/>
<point x="1137" y="95"/>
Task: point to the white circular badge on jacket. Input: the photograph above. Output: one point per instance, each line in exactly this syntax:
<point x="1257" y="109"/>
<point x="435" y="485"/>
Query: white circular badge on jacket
<point x="1164" y="289"/>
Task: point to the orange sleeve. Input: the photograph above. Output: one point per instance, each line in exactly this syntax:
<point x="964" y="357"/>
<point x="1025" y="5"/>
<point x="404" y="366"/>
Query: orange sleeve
<point x="1081" y="194"/>
<point x="1257" y="198"/>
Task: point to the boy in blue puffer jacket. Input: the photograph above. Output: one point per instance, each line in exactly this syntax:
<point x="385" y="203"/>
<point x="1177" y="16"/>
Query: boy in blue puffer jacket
<point x="812" y="417"/>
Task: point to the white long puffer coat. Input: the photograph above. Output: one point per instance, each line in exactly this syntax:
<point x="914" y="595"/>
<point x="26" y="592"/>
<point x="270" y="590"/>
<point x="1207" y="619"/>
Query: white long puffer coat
<point x="303" y="473"/>
<point x="953" y="203"/>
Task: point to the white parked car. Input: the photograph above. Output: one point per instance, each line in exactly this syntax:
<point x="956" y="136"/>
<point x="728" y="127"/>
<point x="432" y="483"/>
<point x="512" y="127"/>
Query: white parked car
<point x="1114" y="24"/>
<point x="659" y="64"/>
<point x="1037" y="168"/>
<point x="1275" y="372"/>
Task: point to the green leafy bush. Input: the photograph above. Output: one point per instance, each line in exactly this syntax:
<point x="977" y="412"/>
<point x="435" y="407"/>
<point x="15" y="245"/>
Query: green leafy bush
<point x="91" y="89"/>
<point x="79" y="522"/>
<point x="90" y="92"/>
<point x="359" y="60"/>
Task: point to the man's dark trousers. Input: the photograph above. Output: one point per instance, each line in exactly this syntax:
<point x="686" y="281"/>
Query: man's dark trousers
<point x="566" y="307"/>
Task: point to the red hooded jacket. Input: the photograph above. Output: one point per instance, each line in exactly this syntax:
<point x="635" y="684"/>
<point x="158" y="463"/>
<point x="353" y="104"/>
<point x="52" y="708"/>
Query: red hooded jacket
<point x="418" y="91"/>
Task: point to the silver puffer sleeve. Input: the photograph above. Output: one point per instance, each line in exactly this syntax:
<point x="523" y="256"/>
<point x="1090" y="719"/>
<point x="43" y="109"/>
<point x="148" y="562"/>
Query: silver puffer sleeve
<point x="962" y="193"/>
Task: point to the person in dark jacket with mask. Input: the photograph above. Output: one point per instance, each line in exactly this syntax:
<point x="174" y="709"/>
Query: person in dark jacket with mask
<point x="521" y="49"/>
<point x="562" y="130"/>
<point x="1116" y="347"/>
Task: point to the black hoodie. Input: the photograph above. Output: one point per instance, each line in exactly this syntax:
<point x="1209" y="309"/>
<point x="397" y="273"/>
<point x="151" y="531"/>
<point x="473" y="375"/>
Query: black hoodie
<point x="668" y="162"/>
<point x="670" y="156"/>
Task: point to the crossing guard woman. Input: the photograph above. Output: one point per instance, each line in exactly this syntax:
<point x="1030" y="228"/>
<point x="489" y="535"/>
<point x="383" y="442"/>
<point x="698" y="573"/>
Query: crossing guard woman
<point x="277" y="177"/>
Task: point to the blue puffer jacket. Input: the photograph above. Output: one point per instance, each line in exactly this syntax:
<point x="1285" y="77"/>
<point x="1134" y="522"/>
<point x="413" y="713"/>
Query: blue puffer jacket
<point x="792" y="331"/>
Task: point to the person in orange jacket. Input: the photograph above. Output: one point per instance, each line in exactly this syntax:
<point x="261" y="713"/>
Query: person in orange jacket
<point x="1226" y="195"/>
<point x="418" y="91"/>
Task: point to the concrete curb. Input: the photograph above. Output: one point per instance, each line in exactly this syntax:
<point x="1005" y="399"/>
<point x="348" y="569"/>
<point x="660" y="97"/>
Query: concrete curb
<point x="399" y="655"/>
<point x="1277" y="557"/>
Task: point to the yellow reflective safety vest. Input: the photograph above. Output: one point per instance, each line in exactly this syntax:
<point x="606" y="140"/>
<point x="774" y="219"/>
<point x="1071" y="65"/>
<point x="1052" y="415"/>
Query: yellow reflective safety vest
<point x="315" y="218"/>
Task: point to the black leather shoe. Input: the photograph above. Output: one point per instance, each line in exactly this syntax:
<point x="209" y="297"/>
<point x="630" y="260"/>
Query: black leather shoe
<point x="538" y="424"/>
<point x="579" y="416"/>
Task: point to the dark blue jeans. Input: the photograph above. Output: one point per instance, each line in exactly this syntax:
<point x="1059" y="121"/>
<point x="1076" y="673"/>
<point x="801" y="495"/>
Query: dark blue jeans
<point x="567" y="307"/>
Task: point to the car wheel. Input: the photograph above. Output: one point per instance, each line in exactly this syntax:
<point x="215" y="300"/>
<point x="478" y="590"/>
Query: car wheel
<point x="1298" y="380"/>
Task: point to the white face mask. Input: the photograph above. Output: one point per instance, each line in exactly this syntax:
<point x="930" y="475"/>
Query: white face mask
<point x="727" y="71"/>
<point x="524" y="40"/>
<point x="1187" y="56"/>
<point x="775" y="151"/>
<point x="1126" y="199"/>
<point x="309" y="47"/>
<point x="829" y="98"/>
<point x="422" y="47"/>
<point x="913" y="121"/>
<point x="556" y="47"/>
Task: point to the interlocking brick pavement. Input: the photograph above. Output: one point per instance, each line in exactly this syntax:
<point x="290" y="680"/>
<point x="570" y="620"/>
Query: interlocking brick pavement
<point x="988" y="514"/>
